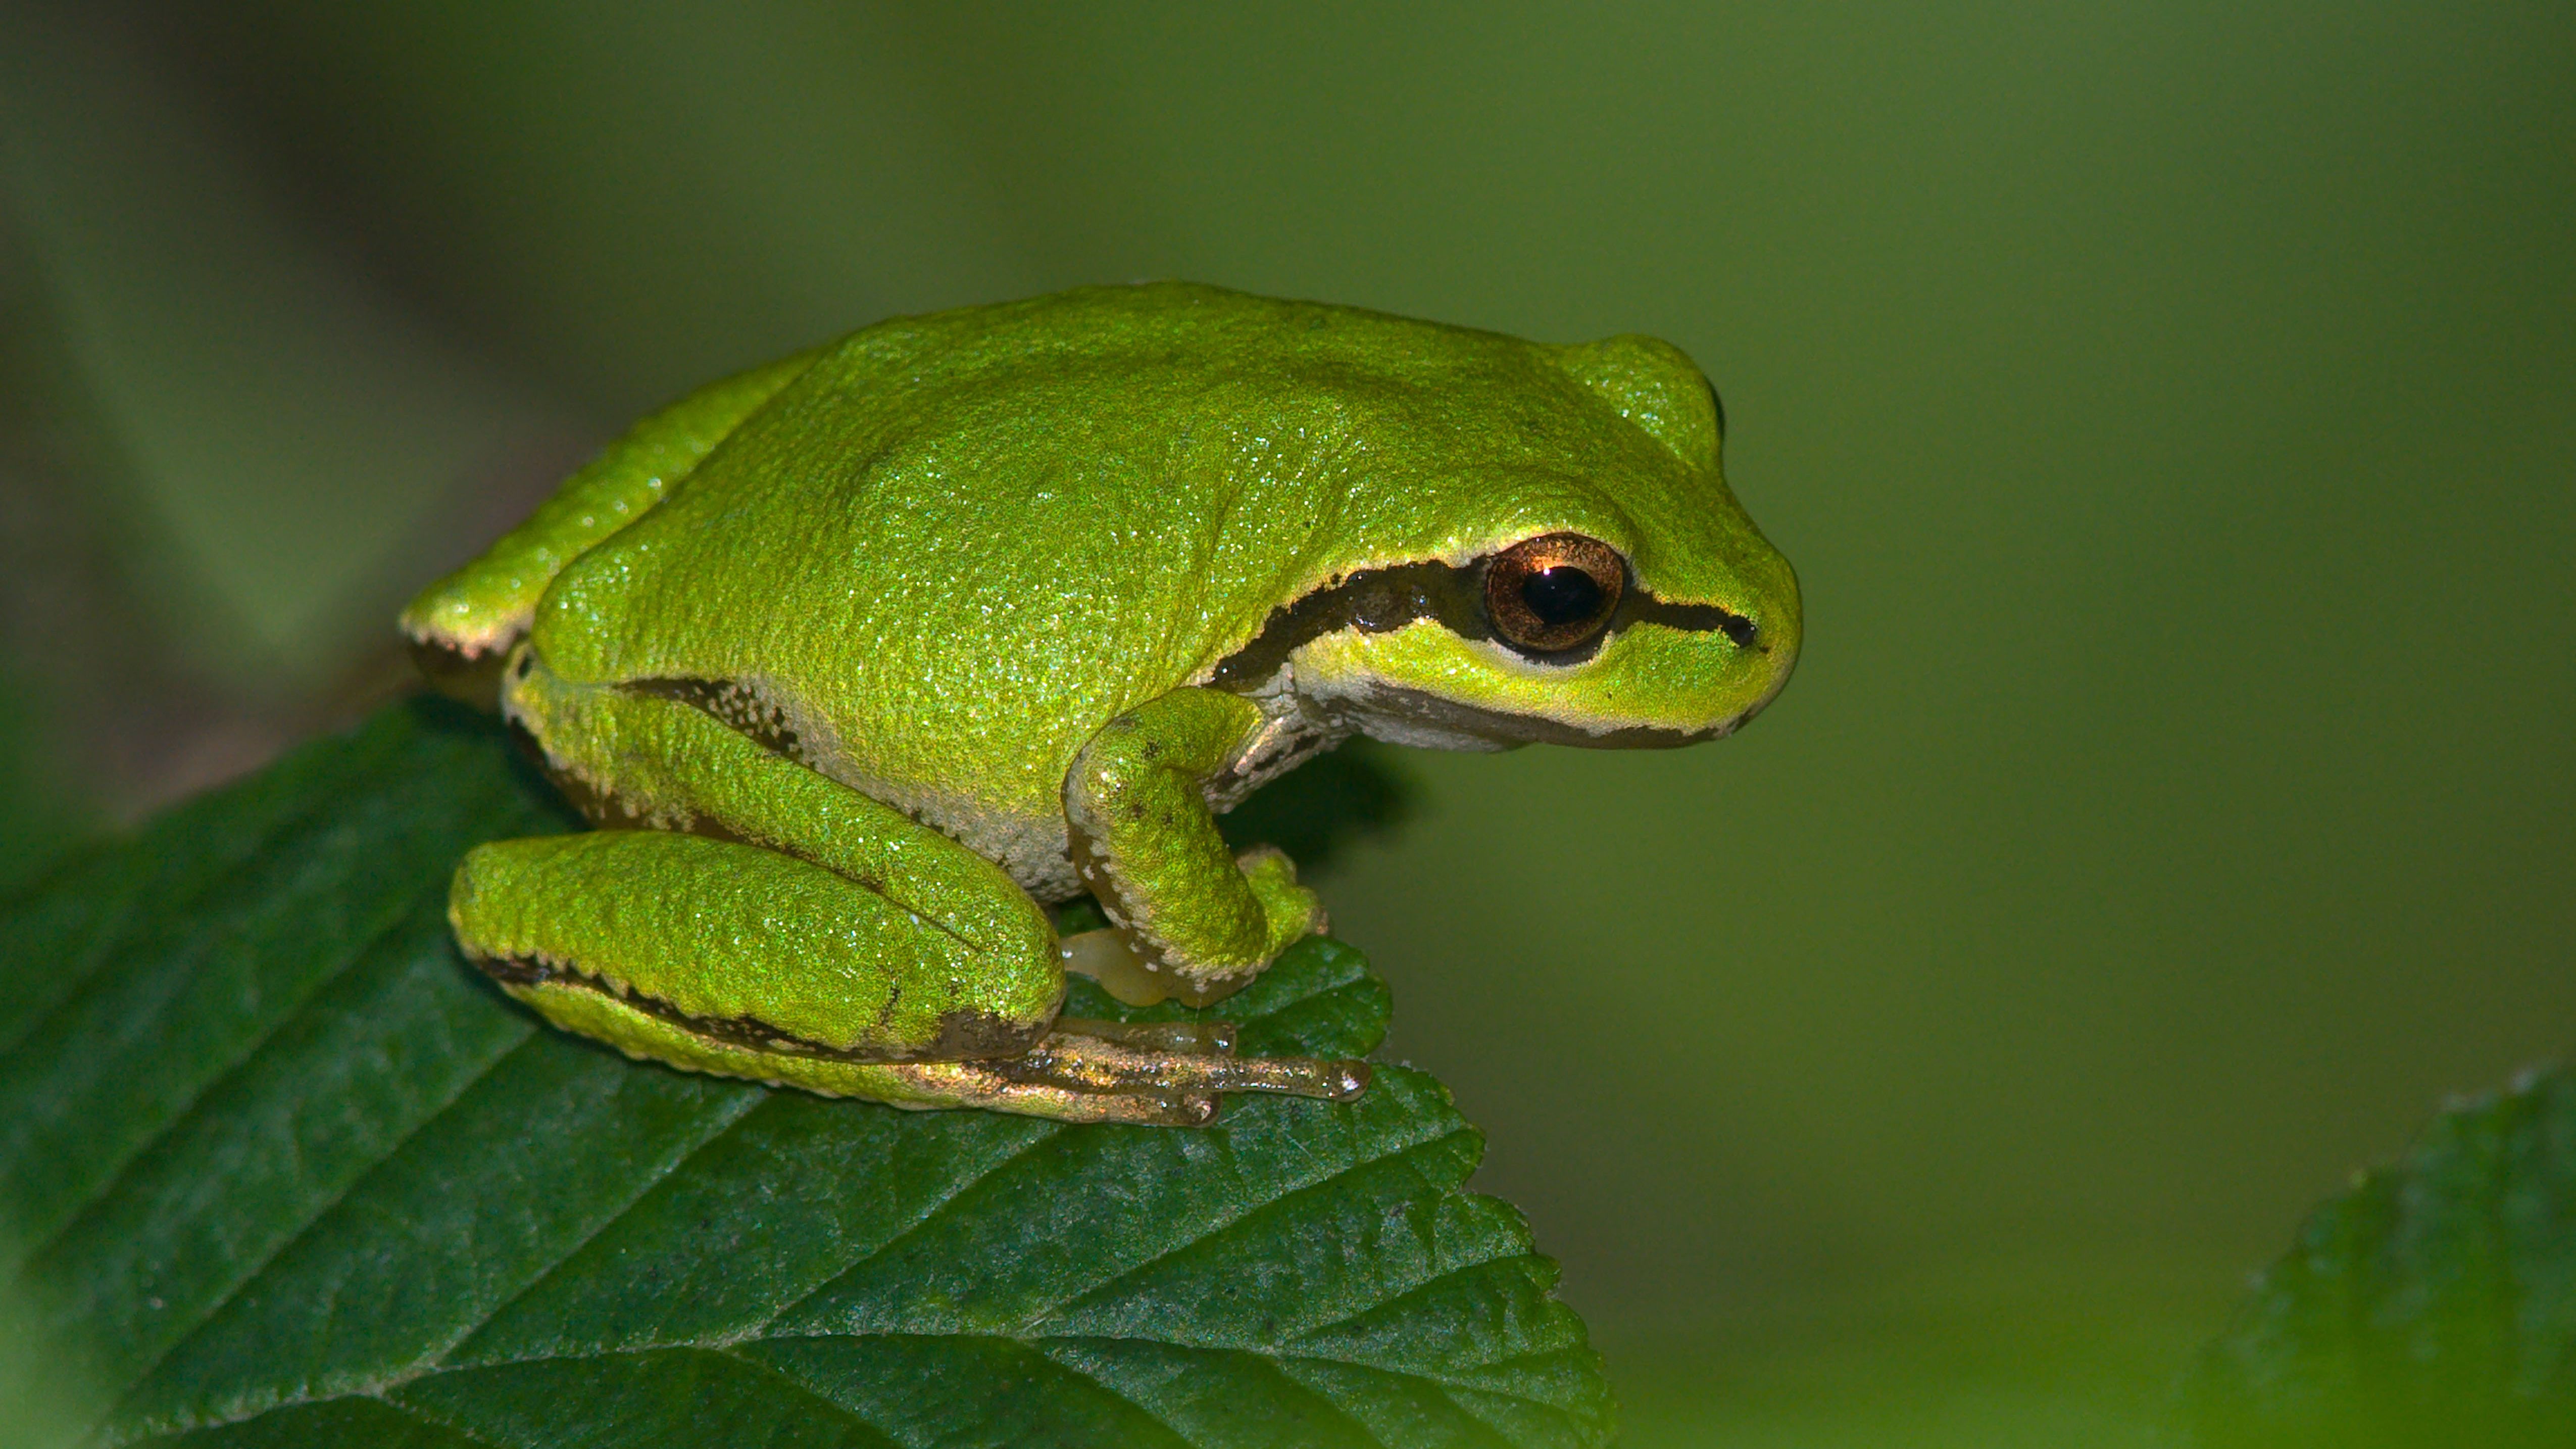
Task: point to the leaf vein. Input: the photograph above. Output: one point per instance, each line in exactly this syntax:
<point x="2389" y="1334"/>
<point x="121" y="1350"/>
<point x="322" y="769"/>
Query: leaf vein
<point x="320" y="1211"/>
<point x="1227" y="1224"/>
<point x="834" y="1406"/>
<point x="758" y="1330"/>
<point x="1265" y="1363"/>
<point x="1285" y="1356"/>
<point x="1104" y="1386"/>
<point x="1442" y="1387"/>
<point x="1279" y="1356"/>
<point x="196" y="1101"/>
<point x="414" y="1411"/>
<point x="1410" y="1291"/>
<point x="747" y="1104"/>
<point x="103" y="953"/>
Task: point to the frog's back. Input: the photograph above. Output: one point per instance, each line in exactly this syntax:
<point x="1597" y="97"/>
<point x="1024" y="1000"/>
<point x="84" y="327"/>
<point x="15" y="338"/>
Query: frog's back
<point x="957" y="544"/>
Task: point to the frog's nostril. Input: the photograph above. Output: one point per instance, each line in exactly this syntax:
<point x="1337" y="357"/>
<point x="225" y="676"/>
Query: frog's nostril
<point x="1745" y="633"/>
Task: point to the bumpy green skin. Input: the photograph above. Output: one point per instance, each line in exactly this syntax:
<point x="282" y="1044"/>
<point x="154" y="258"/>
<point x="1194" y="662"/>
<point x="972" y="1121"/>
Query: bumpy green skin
<point x="927" y="626"/>
<point x="756" y="936"/>
<point x="484" y="607"/>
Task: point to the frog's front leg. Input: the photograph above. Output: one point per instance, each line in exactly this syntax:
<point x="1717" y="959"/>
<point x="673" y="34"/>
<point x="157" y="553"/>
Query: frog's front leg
<point x="1200" y="920"/>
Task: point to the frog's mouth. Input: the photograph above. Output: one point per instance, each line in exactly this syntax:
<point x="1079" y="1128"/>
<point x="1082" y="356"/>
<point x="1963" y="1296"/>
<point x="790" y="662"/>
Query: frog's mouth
<point x="1402" y="715"/>
<point x="1382" y="600"/>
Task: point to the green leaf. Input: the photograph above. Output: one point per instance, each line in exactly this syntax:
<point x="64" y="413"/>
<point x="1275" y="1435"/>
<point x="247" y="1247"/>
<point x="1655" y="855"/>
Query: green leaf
<point x="277" y="1168"/>
<point x="2433" y="1304"/>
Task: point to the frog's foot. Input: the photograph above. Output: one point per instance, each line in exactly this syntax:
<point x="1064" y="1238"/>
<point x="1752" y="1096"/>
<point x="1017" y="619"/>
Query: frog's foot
<point x="1165" y="1074"/>
<point x="1179" y="1057"/>
<point x="1169" y="1074"/>
<point x="1161" y="1073"/>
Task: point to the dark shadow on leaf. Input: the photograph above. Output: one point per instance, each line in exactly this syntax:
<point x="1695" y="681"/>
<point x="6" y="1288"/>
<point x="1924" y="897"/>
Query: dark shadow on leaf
<point x="1319" y="810"/>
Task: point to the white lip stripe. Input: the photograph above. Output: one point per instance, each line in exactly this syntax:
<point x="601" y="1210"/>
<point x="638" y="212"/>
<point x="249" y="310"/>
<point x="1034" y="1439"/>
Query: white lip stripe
<point x="1405" y="714"/>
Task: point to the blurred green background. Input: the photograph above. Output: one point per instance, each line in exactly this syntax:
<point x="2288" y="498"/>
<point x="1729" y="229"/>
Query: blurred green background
<point x="2170" y="409"/>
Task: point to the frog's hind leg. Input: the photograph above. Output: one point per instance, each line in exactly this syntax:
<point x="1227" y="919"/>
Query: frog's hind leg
<point x="717" y="956"/>
<point x="462" y="626"/>
<point x="799" y="932"/>
<point x="720" y="957"/>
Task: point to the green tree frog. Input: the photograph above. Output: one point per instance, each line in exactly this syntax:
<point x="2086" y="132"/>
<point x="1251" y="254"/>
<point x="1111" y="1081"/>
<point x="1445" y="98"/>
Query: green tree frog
<point x="857" y="658"/>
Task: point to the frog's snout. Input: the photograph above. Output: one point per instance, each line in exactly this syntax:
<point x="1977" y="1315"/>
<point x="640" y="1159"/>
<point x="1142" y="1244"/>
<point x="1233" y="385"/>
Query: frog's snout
<point x="1772" y="638"/>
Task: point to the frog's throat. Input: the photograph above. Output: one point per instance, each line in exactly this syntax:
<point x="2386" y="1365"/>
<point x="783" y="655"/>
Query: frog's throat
<point x="1403" y="716"/>
<point x="1381" y="600"/>
<point x="1291" y="733"/>
<point x="962" y="1035"/>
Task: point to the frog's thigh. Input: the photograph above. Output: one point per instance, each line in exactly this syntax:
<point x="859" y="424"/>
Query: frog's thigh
<point x="641" y="757"/>
<point x="722" y="957"/>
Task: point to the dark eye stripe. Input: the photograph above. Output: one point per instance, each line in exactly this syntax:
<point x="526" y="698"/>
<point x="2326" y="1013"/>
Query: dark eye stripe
<point x="1706" y="619"/>
<point x="1379" y="600"/>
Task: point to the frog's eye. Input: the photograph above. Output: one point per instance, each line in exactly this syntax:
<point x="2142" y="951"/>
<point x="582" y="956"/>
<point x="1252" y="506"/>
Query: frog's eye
<point x="1553" y="592"/>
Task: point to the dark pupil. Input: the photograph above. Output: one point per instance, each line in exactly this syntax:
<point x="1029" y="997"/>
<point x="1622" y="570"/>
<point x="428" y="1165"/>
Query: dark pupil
<point x="1562" y="595"/>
